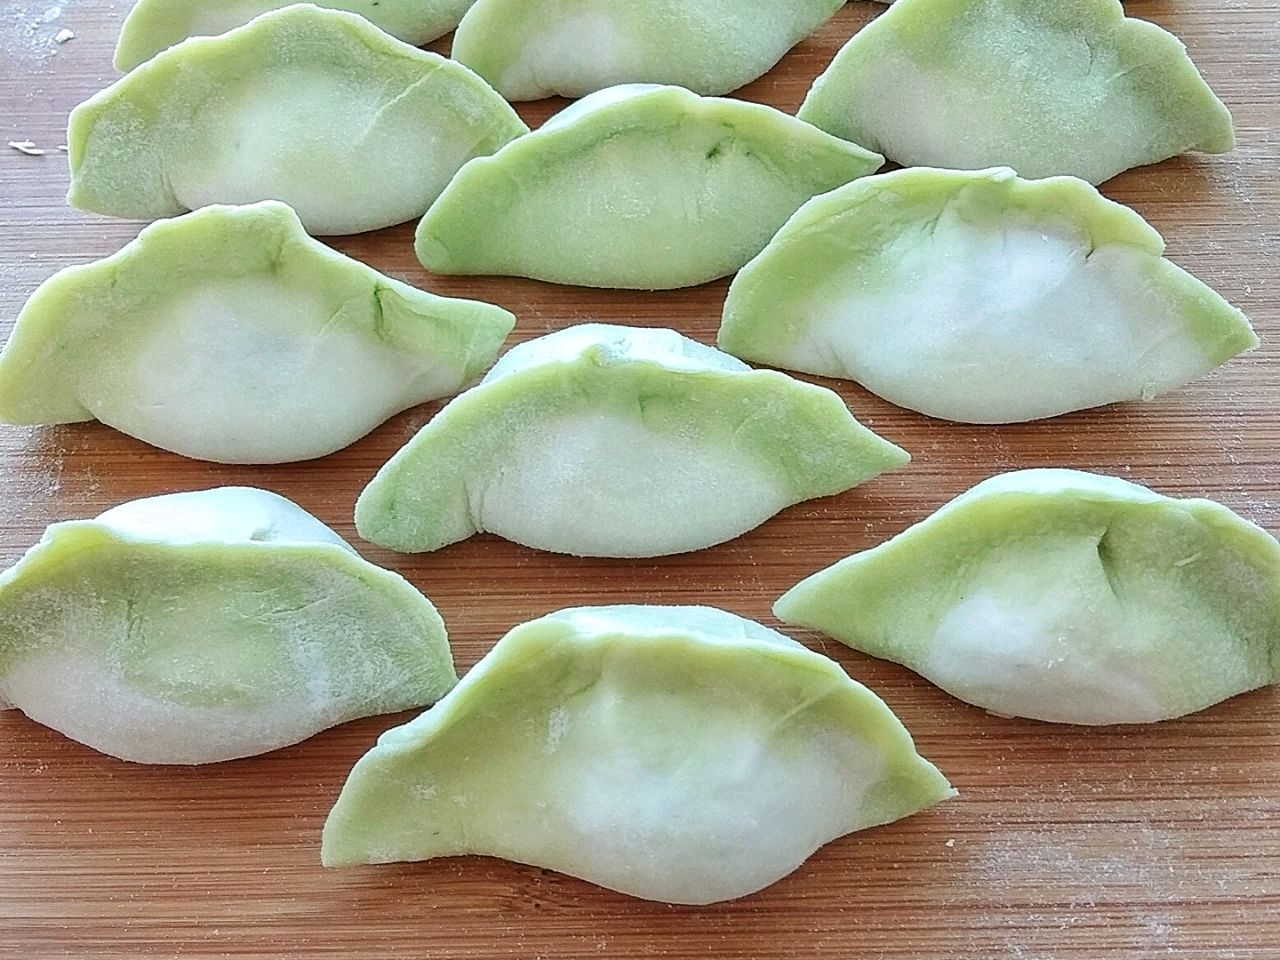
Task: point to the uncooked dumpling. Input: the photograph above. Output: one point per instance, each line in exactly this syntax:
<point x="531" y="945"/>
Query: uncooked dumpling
<point x="153" y="25"/>
<point x="636" y="187"/>
<point x="319" y="108"/>
<point x="529" y="49"/>
<point x="1062" y="87"/>
<point x="206" y="626"/>
<point x="1066" y="597"/>
<point x="979" y="297"/>
<point x="680" y="754"/>
<point x="618" y="442"/>
<point x="229" y="334"/>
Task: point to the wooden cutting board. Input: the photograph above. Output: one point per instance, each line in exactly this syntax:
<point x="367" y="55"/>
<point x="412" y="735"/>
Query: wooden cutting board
<point x="1134" y="843"/>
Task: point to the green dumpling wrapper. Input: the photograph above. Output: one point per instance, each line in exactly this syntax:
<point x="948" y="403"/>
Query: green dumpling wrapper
<point x="1066" y="597"/>
<point x="979" y="297"/>
<point x="635" y="187"/>
<point x="612" y="441"/>
<point x="229" y="334"/>
<point x="530" y="49"/>
<point x="199" y="627"/>
<point x="679" y="754"/>
<point x="154" y="25"/>
<point x="318" y="108"/>
<point x="1070" y="87"/>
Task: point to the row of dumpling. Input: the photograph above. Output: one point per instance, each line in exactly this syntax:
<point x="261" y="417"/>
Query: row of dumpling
<point x="675" y="753"/>
<point x="229" y="334"/>
<point x="356" y="130"/>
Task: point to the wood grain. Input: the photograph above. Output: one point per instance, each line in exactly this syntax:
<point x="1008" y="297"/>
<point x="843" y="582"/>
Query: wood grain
<point x="1065" y="844"/>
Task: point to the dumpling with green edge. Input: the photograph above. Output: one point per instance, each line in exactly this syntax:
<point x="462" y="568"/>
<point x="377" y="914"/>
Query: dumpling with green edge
<point x="206" y="626"/>
<point x="680" y="754"/>
<point x="1064" y="596"/>
<point x="529" y="49"/>
<point x="979" y="297"/>
<point x="319" y="108"/>
<point x="230" y="335"/>
<point x="606" y="441"/>
<point x="154" y="25"/>
<point x="1069" y="87"/>
<point x="640" y="187"/>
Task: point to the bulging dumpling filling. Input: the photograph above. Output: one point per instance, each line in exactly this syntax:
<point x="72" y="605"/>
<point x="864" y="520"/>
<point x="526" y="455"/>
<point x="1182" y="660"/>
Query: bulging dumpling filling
<point x="319" y="108"/>
<point x="230" y="335"/>
<point x="198" y="627"/>
<point x="643" y="187"/>
<point x="1048" y="88"/>
<point x="979" y="297"/>
<point x="622" y="442"/>
<point x="153" y="25"/>
<point x="529" y="49"/>
<point x="1064" y="596"/>
<point x="680" y="754"/>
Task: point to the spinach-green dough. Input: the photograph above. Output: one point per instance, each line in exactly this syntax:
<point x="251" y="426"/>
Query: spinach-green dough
<point x="154" y="25"/>
<point x="198" y="627"/>
<point x="319" y="108"/>
<point x="639" y="187"/>
<point x="613" y="441"/>
<point x="529" y="49"/>
<point x="1063" y="87"/>
<point x="680" y="754"/>
<point x="228" y="334"/>
<point x="1064" y="596"/>
<point x="979" y="297"/>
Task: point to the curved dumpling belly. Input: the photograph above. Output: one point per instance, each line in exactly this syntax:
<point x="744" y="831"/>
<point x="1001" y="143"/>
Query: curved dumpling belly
<point x="614" y="441"/>
<point x="680" y="754"/>
<point x="206" y="626"/>
<point x="979" y="297"/>
<point x="1064" y="596"/>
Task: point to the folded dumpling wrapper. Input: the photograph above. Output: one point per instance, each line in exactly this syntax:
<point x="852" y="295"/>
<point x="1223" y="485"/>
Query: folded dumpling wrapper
<point x="529" y="49"/>
<point x="319" y="108"/>
<point x="229" y="334"/>
<point x="637" y="186"/>
<point x="680" y="754"/>
<point x="153" y="25"/>
<point x="1047" y="87"/>
<point x="600" y="440"/>
<point x="198" y="627"/>
<point x="1064" y="596"/>
<point x="979" y="297"/>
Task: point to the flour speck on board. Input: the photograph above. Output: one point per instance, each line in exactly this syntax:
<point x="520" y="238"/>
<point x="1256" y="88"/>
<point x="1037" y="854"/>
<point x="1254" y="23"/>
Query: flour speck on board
<point x="30" y="31"/>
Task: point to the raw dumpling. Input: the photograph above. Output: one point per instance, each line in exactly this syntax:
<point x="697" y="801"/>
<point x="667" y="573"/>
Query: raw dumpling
<point x="206" y="626"/>
<point x="979" y="297"/>
<point x="529" y="49"/>
<point x="1066" y="597"/>
<point x="680" y="754"/>
<point x="612" y="441"/>
<point x="638" y="187"/>
<point x="230" y="335"/>
<point x="153" y="25"/>
<point x="1062" y="87"/>
<point x="319" y="108"/>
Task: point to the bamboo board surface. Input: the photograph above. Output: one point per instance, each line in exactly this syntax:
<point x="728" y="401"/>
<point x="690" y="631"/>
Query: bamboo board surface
<point x="1064" y="844"/>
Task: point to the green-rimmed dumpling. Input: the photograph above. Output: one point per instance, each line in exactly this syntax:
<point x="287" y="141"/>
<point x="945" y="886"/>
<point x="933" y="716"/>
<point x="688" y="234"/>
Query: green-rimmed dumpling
<point x="680" y="754"/>
<point x="643" y="187"/>
<point x="979" y="297"/>
<point x="153" y="25"/>
<point x="1064" y="596"/>
<point x="1064" y="87"/>
<point x="529" y="49"/>
<point x="319" y="108"/>
<point x="618" y="442"/>
<point x="229" y="334"/>
<point x="199" y="627"/>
